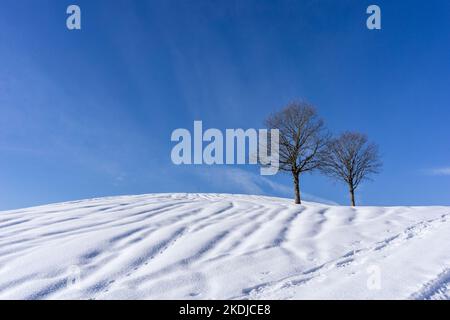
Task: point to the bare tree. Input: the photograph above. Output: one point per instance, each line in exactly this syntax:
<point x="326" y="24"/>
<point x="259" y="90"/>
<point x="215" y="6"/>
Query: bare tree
<point x="301" y="141"/>
<point x="352" y="159"/>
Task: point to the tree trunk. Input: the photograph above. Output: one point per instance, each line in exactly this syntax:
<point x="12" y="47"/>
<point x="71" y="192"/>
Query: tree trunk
<point x="297" y="188"/>
<point x="352" y="196"/>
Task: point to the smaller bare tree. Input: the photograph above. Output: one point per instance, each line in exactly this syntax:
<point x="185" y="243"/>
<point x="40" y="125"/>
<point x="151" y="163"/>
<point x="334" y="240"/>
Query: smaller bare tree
<point x="352" y="159"/>
<point x="302" y="139"/>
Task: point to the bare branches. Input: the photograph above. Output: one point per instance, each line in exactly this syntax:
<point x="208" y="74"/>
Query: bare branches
<point x="305" y="145"/>
<point x="350" y="158"/>
<point x="302" y="137"/>
<point x="302" y="140"/>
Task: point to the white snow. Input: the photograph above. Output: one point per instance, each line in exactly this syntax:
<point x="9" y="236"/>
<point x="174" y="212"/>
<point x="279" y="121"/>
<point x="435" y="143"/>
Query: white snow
<point x="210" y="246"/>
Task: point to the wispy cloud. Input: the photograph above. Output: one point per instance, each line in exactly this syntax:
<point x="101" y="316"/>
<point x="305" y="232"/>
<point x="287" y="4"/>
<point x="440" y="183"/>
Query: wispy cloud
<point x="444" y="171"/>
<point x="243" y="181"/>
<point x="232" y="178"/>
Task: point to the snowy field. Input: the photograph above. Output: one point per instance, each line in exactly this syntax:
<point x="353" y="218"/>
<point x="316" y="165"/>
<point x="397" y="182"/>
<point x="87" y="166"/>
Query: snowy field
<point x="199" y="246"/>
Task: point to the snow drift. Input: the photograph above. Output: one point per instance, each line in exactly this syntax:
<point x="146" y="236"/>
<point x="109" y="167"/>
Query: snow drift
<point x="205" y="246"/>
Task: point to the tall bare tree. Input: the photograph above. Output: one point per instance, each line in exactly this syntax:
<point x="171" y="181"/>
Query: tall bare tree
<point x="352" y="159"/>
<point x="302" y="139"/>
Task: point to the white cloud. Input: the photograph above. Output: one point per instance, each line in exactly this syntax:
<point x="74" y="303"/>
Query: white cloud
<point x="244" y="181"/>
<point x="444" y="171"/>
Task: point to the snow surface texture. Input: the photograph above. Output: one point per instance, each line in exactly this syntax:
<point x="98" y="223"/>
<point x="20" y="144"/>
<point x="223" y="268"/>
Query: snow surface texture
<point x="206" y="246"/>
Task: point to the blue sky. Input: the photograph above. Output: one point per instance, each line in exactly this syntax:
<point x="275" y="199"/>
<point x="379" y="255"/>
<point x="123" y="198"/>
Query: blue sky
<point x="89" y="113"/>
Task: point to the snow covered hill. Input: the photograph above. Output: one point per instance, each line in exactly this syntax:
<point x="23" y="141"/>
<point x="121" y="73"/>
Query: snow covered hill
<point x="206" y="246"/>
